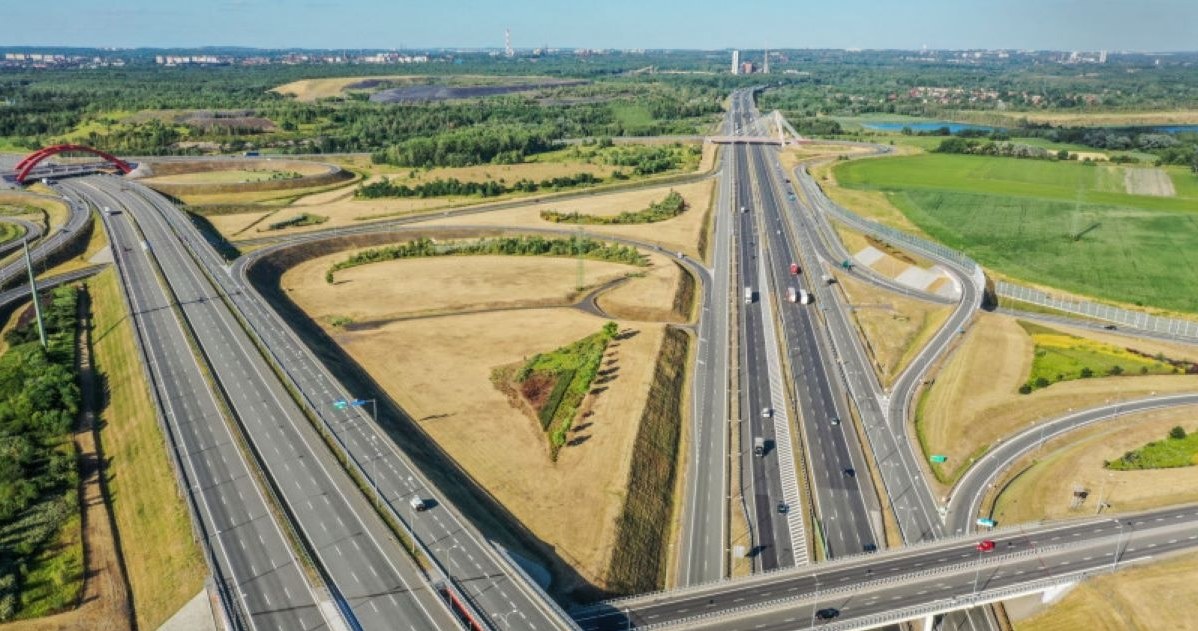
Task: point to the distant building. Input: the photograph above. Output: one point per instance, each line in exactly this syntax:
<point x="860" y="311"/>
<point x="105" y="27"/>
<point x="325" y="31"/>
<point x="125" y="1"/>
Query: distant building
<point x="746" y="68"/>
<point x="736" y="62"/>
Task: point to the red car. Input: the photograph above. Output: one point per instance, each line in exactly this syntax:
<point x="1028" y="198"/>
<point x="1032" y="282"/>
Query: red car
<point x="986" y="546"/>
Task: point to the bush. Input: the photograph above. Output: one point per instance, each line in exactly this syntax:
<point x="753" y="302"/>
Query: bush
<point x="1025" y="389"/>
<point x="549" y="410"/>
<point x="1041" y="382"/>
<point x="1177" y="433"/>
<point x="1086" y="373"/>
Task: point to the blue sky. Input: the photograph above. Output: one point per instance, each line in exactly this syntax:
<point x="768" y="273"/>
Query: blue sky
<point x="1155" y="25"/>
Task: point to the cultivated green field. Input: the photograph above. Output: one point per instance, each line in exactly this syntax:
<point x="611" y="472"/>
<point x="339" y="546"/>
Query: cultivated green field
<point x="1062" y="224"/>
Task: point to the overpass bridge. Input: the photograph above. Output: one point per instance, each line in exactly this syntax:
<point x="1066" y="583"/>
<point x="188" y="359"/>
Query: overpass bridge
<point x="915" y="582"/>
<point x="33" y="166"/>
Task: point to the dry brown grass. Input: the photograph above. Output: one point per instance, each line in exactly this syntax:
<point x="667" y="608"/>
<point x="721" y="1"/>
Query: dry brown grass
<point x="422" y="286"/>
<point x="648" y="298"/>
<point x="1044" y="488"/>
<point x="57" y="210"/>
<point x="678" y="234"/>
<point x="1144" y="597"/>
<point x="1167" y="117"/>
<point x="975" y="400"/>
<point x="439" y="370"/>
<point x="895" y="327"/>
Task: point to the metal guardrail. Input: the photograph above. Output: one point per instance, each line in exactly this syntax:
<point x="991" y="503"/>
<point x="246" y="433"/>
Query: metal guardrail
<point x="887" y="233"/>
<point x="1174" y="327"/>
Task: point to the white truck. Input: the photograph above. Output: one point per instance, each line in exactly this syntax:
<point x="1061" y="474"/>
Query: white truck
<point x="758" y="446"/>
<point x="792" y="295"/>
<point x="804" y="297"/>
<point x="748" y="295"/>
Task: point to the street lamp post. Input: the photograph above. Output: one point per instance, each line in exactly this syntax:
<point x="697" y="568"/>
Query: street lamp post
<point x="815" y="602"/>
<point x="977" y="574"/>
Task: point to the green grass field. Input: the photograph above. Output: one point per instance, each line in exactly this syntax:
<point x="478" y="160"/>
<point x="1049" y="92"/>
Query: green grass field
<point x="1167" y="453"/>
<point x="150" y="514"/>
<point x="1063" y="357"/>
<point x="1062" y="224"/>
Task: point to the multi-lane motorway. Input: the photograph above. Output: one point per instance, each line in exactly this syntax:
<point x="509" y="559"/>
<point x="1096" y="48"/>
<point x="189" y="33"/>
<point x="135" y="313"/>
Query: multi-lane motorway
<point x="365" y="567"/>
<point x="295" y="543"/>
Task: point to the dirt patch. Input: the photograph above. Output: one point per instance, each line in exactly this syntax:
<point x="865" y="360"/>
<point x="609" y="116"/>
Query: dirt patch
<point x="439" y="370"/>
<point x="650" y="297"/>
<point x="974" y="400"/>
<point x="425" y="286"/>
<point x="1154" y="182"/>
<point x="1043" y="484"/>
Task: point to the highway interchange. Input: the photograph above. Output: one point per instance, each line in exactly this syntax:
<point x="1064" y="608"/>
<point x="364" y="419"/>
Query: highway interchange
<point x="294" y="541"/>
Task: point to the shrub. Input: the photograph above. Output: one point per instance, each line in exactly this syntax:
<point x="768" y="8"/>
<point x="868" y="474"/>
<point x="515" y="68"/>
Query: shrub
<point x="555" y="398"/>
<point x="1086" y="373"/>
<point x="1025" y="389"/>
<point x="1177" y="433"/>
<point x="1041" y="382"/>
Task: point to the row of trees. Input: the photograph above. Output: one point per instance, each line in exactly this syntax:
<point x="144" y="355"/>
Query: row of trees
<point x="453" y="186"/>
<point x="39" y="401"/>
<point x="992" y="148"/>
<point x="669" y="207"/>
<point x="509" y="246"/>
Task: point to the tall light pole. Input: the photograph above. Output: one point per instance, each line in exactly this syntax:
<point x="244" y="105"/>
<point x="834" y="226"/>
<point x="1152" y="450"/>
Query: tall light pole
<point x="37" y="307"/>
<point x="815" y="602"/>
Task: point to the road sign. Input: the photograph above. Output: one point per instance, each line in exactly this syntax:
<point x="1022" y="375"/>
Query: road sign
<point x="939" y="459"/>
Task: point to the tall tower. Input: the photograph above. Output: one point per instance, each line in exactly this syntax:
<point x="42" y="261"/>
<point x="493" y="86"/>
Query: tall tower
<point x="736" y="62"/>
<point x="765" y="65"/>
<point x="507" y="43"/>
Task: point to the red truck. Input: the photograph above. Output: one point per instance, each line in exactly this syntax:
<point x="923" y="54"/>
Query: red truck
<point x="794" y="269"/>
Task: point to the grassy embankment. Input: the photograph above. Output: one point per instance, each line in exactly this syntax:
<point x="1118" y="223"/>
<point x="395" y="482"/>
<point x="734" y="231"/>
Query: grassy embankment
<point x="1062" y="357"/>
<point x="639" y="561"/>
<point x="1063" y="224"/>
<point x="151" y="517"/>
<point x="975" y="400"/>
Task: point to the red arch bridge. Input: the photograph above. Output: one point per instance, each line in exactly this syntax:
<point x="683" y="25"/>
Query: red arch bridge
<point x="26" y="165"/>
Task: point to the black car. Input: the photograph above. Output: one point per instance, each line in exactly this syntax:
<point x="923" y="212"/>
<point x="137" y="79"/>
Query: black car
<point x="869" y="547"/>
<point x="850" y="473"/>
<point x="783" y="508"/>
<point x="827" y="613"/>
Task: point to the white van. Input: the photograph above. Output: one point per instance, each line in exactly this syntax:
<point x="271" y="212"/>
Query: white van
<point x="417" y="504"/>
<point x="748" y="295"/>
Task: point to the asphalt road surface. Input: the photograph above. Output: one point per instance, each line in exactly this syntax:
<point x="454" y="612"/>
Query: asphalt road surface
<point x="366" y="567"/>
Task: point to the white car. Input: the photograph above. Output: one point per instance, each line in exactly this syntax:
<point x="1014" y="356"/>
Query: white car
<point x="767" y="412"/>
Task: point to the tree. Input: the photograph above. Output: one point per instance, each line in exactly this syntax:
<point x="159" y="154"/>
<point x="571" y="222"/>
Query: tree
<point x="611" y="329"/>
<point x="1041" y="382"/>
<point x="1025" y="389"/>
<point x="1063" y="154"/>
<point x="1087" y="373"/>
<point x="1177" y="433"/>
<point x="1116" y="370"/>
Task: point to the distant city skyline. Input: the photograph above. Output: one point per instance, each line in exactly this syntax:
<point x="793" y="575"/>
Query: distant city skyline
<point x="1147" y="25"/>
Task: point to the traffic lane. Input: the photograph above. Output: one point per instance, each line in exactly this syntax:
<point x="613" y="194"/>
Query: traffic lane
<point x="966" y="501"/>
<point x="851" y="532"/>
<point x="265" y="566"/>
<point x="264" y="411"/>
<point x="958" y="567"/>
<point x="490" y="587"/>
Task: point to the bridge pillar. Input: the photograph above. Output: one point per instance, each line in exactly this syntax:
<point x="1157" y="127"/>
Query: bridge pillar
<point x="1054" y="593"/>
<point x="929" y="622"/>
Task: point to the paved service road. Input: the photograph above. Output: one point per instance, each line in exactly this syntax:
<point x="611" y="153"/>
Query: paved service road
<point x="252" y="561"/>
<point x="968" y="494"/>
<point x="366" y="566"/>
